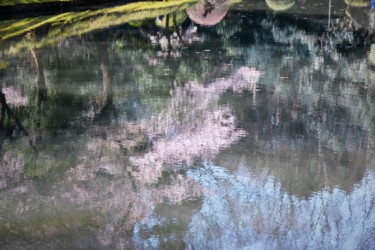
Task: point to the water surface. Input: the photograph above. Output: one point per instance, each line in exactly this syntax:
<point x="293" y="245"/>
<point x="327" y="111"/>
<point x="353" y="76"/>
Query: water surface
<point x="253" y="133"/>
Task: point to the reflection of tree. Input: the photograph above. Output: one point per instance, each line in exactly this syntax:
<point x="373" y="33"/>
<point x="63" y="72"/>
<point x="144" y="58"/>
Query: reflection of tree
<point x="300" y="168"/>
<point x="315" y="109"/>
<point x="106" y="107"/>
<point x="192" y="125"/>
<point x="306" y="130"/>
<point x="96" y="170"/>
<point x="259" y="214"/>
<point x="10" y="167"/>
<point x="41" y="83"/>
<point x="6" y="111"/>
<point x="42" y="110"/>
<point x="100" y="179"/>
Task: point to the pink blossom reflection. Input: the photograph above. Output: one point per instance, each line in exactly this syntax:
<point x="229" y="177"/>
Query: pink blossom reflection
<point x="193" y="124"/>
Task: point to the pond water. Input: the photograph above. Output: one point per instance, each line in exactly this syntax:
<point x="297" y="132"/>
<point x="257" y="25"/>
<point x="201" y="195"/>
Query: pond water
<point x="255" y="132"/>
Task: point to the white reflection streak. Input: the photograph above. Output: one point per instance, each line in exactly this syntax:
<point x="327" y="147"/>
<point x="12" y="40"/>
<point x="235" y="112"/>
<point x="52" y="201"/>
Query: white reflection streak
<point x="14" y="97"/>
<point x="204" y="129"/>
<point x="273" y="219"/>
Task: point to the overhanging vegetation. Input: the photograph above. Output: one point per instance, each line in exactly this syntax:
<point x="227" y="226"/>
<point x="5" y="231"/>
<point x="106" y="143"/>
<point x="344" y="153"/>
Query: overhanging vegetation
<point x="78" y="23"/>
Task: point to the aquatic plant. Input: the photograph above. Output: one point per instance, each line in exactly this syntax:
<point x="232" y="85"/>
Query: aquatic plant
<point x="175" y="19"/>
<point x="280" y="5"/>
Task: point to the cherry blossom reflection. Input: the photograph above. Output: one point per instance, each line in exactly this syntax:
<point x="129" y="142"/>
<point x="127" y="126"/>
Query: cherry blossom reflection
<point x="193" y="125"/>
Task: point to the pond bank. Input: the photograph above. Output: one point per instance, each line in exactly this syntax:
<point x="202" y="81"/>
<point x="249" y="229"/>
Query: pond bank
<point x="54" y="7"/>
<point x="49" y="7"/>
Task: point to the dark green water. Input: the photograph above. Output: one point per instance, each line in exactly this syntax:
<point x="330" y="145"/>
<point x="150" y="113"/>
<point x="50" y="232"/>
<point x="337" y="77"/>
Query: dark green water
<point x="254" y="133"/>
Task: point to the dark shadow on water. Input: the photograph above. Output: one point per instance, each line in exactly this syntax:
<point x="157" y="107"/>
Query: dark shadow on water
<point x="6" y="111"/>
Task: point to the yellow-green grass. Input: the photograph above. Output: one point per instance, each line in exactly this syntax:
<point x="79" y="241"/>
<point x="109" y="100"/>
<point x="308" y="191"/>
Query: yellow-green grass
<point x="17" y="2"/>
<point x="11" y="28"/>
<point x="78" y="23"/>
<point x="358" y="3"/>
<point x="82" y="22"/>
<point x="280" y="5"/>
